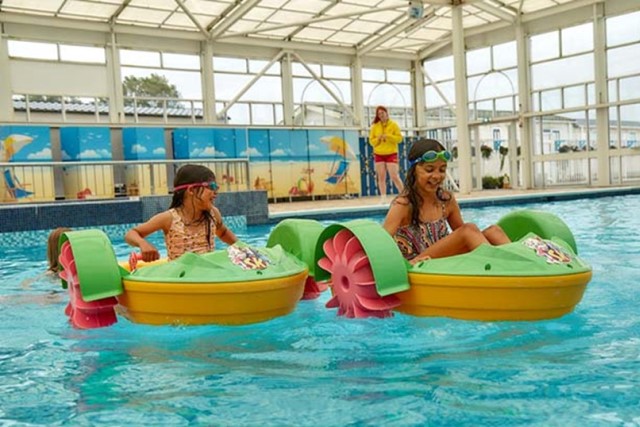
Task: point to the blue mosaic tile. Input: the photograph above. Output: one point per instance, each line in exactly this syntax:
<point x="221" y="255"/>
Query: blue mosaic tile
<point x="251" y="205"/>
<point x="237" y="224"/>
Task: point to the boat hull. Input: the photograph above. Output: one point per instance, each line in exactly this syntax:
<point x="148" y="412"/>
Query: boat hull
<point x="490" y="298"/>
<point x="229" y="303"/>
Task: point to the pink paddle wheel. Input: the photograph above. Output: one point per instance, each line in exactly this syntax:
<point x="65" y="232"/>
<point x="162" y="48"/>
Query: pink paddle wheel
<point x="353" y="284"/>
<point x="83" y="314"/>
<point x="313" y="289"/>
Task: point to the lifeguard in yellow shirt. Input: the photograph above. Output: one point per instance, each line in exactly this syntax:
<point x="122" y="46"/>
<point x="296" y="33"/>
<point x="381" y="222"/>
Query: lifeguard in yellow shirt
<point x="384" y="137"/>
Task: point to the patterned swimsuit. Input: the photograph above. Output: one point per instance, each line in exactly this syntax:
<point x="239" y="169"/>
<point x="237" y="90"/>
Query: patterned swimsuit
<point x="183" y="238"/>
<point x="414" y="239"/>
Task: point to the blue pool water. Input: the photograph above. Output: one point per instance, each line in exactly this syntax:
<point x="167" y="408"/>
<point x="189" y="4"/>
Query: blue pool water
<point x="313" y="368"/>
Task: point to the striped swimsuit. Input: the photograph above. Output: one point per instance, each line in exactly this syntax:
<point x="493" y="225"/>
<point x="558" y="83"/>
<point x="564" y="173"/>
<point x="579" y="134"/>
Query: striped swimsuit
<point x="413" y="239"/>
<point x="183" y="238"/>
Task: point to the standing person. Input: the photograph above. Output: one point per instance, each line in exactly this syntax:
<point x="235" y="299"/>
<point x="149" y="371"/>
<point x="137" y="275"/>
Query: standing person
<point x="385" y="136"/>
<point x="192" y="220"/>
<point x="419" y="218"/>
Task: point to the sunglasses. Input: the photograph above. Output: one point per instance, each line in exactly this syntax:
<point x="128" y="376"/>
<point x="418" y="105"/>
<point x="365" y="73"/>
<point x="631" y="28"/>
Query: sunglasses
<point x="432" y="156"/>
<point x="212" y="185"/>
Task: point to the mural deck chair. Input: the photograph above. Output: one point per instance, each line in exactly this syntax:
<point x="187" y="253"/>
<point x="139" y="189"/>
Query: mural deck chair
<point x="338" y="173"/>
<point x="13" y="186"/>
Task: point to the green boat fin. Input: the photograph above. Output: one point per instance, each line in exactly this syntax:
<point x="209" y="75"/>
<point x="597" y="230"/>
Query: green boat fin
<point x="98" y="270"/>
<point x="390" y="269"/>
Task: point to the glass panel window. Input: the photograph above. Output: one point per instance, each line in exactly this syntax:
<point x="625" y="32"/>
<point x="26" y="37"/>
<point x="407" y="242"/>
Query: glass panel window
<point x="176" y="60"/>
<point x="478" y="61"/>
<point x="623" y="29"/>
<point x="545" y="46"/>
<point x="229" y="64"/>
<point x="336" y="71"/>
<point x="34" y="50"/>
<point x="439" y="69"/>
<point x="577" y="39"/>
<point x="140" y="58"/>
<point x="620" y="62"/>
<point x="554" y="73"/>
<point x="505" y="55"/>
<point x="574" y="96"/>
<point x="82" y="54"/>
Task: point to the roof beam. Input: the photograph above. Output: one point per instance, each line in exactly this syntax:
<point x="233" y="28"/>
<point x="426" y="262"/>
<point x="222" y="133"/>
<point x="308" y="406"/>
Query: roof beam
<point x="498" y="12"/>
<point x="313" y="21"/>
<point x="433" y="47"/>
<point x="224" y="13"/>
<point x="407" y="25"/>
<point x="234" y="16"/>
<point x="193" y="18"/>
<point x="122" y="7"/>
<point x="59" y="7"/>
<point x="449" y="2"/>
<point x="318" y="15"/>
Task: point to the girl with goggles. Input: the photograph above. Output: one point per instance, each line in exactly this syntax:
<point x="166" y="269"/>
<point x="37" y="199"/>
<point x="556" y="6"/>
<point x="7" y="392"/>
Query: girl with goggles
<point x="432" y="156"/>
<point x="190" y="223"/>
<point x="425" y="219"/>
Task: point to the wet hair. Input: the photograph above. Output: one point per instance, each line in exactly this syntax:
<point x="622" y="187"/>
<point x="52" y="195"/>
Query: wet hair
<point x="376" y="119"/>
<point x="52" y="248"/>
<point x="416" y="151"/>
<point x="193" y="174"/>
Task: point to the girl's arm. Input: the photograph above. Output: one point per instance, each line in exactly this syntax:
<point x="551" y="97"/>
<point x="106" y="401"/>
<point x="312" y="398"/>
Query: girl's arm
<point x="223" y="233"/>
<point x="136" y="236"/>
<point x="454" y="215"/>
<point x="396" y="217"/>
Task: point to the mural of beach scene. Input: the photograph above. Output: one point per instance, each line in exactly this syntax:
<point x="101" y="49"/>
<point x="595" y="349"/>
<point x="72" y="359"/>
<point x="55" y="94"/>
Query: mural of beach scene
<point x="202" y="144"/>
<point x="87" y="144"/>
<point x="26" y="144"/>
<point x="304" y="163"/>
<point x="334" y="159"/>
<point x="258" y="150"/>
<point x="145" y="143"/>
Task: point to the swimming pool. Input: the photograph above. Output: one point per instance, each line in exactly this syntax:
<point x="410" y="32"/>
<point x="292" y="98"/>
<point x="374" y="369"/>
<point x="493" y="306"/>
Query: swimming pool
<point x="313" y="368"/>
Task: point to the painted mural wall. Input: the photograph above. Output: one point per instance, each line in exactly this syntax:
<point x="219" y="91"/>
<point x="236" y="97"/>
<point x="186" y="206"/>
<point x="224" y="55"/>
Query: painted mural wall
<point x="26" y="144"/>
<point x="144" y="143"/>
<point x="87" y="144"/>
<point x="287" y="163"/>
<point x="304" y="162"/>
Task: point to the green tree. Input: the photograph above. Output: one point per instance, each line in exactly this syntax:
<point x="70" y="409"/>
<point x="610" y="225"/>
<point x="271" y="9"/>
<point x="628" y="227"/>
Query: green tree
<point x="154" y="86"/>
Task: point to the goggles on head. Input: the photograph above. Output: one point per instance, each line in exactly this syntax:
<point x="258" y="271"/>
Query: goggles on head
<point x="432" y="156"/>
<point x="212" y="185"/>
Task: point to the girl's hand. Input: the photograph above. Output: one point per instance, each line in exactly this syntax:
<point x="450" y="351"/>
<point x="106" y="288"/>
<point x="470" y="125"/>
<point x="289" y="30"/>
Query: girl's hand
<point x="149" y="252"/>
<point x="419" y="258"/>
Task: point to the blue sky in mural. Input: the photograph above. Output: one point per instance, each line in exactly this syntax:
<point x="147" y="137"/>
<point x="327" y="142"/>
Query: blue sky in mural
<point x="209" y="143"/>
<point x="25" y="143"/>
<point x="143" y="143"/>
<point x="85" y="143"/>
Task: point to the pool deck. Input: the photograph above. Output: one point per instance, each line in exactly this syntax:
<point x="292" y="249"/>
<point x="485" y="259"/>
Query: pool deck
<point x="319" y="209"/>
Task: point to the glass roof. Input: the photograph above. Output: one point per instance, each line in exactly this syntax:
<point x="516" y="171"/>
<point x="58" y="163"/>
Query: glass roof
<point x="367" y="25"/>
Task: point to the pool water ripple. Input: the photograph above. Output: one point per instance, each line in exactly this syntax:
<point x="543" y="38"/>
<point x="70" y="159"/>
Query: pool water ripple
<point x="312" y="368"/>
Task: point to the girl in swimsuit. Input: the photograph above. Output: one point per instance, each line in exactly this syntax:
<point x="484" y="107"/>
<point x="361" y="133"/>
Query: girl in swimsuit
<point x="191" y="222"/>
<point x="420" y="217"/>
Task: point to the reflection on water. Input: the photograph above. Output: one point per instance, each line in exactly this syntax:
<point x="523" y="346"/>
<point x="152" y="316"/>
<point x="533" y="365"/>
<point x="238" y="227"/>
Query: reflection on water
<point x="312" y="368"/>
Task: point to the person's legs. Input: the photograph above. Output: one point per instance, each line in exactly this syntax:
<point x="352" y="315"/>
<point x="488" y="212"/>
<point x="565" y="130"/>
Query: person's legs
<point x="462" y="240"/>
<point x="394" y="174"/>
<point x="381" y="175"/>
<point x="496" y="235"/>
